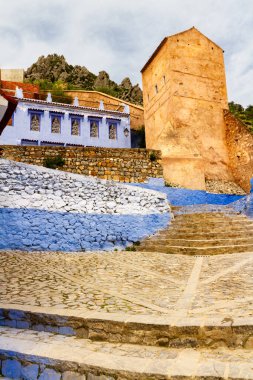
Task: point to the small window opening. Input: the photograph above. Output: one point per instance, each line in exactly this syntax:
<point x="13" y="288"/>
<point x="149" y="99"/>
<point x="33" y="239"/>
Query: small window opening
<point x="164" y="79"/>
<point x="56" y="125"/>
<point x="112" y="131"/>
<point x="156" y="89"/>
<point x="94" y="129"/>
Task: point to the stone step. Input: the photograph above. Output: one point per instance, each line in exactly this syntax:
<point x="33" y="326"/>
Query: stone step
<point x="220" y="218"/>
<point x="218" y="223"/>
<point x="204" y="211"/>
<point x="199" y="242"/>
<point x="168" y="330"/>
<point x="216" y="229"/>
<point x="202" y="235"/>
<point x="40" y="355"/>
<point x="182" y="250"/>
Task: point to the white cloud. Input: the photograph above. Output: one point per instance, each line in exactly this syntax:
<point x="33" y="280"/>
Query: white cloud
<point x="119" y="36"/>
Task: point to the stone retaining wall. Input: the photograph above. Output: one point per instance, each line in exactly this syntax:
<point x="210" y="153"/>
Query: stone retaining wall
<point x="126" y="165"/>
<point x="45" y="209"/>
<point x="13" y="366"/>
<point x="240" y="149"/>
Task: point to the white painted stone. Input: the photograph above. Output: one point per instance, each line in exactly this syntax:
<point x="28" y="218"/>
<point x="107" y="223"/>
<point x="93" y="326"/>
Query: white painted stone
<point x="33" y="190"/>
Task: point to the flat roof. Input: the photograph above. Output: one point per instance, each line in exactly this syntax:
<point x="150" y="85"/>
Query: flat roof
<point x="70" y="106"/>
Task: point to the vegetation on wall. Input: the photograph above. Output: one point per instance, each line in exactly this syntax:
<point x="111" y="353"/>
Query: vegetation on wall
<point x="55" y="88"/>
<point x="54" y="73"/>
<point x="54" y="162"/>
<point x="153" y="156"/>
<point x="244" y="114"/>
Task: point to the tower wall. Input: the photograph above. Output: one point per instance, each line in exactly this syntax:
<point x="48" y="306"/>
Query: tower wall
<point x="185" y="93"/>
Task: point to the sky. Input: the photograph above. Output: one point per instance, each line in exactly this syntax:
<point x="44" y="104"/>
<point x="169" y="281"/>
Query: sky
<point x="119" y="36"/>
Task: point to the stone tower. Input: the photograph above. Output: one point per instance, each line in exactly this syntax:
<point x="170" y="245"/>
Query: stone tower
<point x="184" y="89"/>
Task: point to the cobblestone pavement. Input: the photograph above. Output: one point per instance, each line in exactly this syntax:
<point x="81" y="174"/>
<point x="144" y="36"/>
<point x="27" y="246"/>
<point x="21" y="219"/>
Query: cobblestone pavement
<point x="130" y="283"/>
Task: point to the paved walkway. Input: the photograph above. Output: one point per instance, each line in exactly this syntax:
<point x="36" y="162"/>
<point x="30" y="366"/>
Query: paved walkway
<point x="131" y="283"/>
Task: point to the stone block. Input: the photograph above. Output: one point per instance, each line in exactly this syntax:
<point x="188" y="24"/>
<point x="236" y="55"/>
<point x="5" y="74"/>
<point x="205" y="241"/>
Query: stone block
<point x="50" y="374"/>
<point x="73" y="376"/>
<point x="66" y="330"/>
<point x="10" y="323"/>
<point x="51" y="329"/>
<point x="249" y="343"/>
<point x="16" y="314"/>
<point x="11" y="369"/>
<point x="23" y="325"/>
<point x="99" y="377"/>
<point x="30" y="372"/>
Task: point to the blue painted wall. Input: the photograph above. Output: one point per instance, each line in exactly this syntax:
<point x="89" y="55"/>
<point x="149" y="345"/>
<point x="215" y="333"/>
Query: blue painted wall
<point x="31" y="229"/>
<point x="185" y="197"/>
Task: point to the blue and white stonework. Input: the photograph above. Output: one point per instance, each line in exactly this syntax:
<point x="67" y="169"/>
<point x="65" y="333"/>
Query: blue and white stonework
<point x="37" y="122"/>
<point x="45" y="209"/>
<point x="187" y="197"/>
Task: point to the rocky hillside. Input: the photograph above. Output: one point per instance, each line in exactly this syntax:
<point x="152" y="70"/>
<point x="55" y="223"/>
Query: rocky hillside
<point x="54" y="71"/>
<point x="244" y="114"/>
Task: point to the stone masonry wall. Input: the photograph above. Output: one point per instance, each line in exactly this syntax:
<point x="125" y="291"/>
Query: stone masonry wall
<point x="125" y="165"/>
<point x="45" y="209"/>
<point x="240" y="148"/>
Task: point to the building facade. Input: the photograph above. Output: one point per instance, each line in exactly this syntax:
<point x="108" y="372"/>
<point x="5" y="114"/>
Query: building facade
<point x="184" y="90"/>
<point x="37" y="122"/>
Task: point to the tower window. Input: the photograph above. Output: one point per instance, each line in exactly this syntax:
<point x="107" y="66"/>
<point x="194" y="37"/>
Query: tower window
<point x="164" y="79"/>
<point x="156" y="89"/>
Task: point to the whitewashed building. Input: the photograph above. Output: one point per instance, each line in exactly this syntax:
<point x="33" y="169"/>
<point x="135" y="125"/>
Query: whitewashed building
<point x="38" y="122"/>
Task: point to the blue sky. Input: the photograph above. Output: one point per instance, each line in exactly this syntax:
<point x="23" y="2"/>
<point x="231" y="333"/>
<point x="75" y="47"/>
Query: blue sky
<point x="119" y="35"/>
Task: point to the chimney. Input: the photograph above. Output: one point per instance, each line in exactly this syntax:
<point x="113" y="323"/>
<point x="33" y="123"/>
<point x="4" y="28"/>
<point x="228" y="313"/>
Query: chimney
<point x="101" y="105"/>
<point x="76" y="102"/>
<point x="19" y="93"/>
<point x="49" y="97"/>
<point x="126" y="108"/>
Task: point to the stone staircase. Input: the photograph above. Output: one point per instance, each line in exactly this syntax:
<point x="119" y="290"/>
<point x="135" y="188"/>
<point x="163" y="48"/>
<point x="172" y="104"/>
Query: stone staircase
<point x="209" y="233"/>
<point x="69" y="348"/>
<point x="37" y="343"/>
